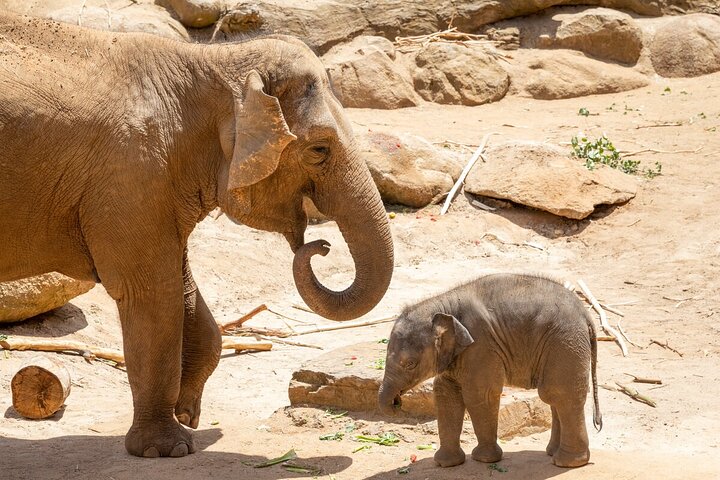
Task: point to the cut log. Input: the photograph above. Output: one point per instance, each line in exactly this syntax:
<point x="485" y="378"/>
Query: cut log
<point x="40" y="387"/>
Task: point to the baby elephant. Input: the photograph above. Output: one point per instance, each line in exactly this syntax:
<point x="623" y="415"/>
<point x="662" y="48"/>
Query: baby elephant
<point x="502" y="329"/>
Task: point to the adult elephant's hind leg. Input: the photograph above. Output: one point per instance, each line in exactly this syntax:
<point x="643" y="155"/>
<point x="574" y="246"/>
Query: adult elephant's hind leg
<point x="201" y="349"/>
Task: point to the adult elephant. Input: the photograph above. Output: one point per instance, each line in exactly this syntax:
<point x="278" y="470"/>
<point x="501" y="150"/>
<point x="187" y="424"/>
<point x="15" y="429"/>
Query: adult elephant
<point x="113" y="146"/>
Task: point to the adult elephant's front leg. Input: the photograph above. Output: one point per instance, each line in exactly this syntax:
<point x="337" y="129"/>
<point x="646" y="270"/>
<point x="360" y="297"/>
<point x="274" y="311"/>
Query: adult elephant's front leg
<point x="152" y="337"/>
<point x="201" y="349"/>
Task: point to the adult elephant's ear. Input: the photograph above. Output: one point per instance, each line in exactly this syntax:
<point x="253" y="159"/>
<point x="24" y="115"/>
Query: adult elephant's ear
<point x="451" y="338"/>
<point x="261" y="134"/>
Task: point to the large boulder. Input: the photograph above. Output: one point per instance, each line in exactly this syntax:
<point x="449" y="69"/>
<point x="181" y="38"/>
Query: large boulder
<point x="546" y="177"/>
<point x="138" y="16"/>
<point x="549" y="75"/>
<point x="600" y="32"/>
<point x="21" y="299"/>
<point x="196" y="13"/>
<point x="135" y="18"/>
<point x="687" y="46"/>
<point x="408" y="170"/>
<point x="364" y="75"/>
<point x="460" y="75"/>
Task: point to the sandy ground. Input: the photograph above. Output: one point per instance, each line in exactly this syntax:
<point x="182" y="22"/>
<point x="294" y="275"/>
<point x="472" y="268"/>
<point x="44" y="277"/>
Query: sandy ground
<point x="659" y="252"/>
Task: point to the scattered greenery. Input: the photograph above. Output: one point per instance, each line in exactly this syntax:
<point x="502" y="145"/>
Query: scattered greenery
<point x="702" y="115"/>
<point x="333" y="436"/>
<point x="404" y="470"/>
<point x="335" y="413"/>
<point x="379" y="364"/>
<point x="497" y="468"/>
<point x="3" y="337"/>
<point x="667" y="90"/>
<point x="291" y="467"/>
<point x="429" y="446"/>
<point x="362" y="447"/>
<point x="601" y="151"/>
<point x="383" y="340"/>
<point x="584" y="112"/>
<point x="388" y="439"/>
<point x="350" y="427"/>
<point x="290" y="455"/>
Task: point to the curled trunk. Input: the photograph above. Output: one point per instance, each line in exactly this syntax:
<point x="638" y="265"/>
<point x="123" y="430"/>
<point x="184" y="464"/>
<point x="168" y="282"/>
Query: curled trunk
<point x="363" y="223"/>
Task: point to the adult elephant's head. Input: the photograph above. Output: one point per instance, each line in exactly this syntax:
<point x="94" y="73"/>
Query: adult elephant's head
<point x="288" y="138"/>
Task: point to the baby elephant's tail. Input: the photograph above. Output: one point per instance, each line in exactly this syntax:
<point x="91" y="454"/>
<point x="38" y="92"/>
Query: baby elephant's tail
<point x="597" y="416"/>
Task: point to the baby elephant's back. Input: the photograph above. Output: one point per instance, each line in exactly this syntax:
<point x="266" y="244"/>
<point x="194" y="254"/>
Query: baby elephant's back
<point x="534" y="320"/>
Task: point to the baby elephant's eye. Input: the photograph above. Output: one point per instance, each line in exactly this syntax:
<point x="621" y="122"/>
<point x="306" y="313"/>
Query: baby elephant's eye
<point x="410" y="365"/>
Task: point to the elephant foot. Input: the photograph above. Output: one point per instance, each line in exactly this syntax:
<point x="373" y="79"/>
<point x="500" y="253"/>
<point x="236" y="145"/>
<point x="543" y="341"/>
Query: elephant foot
<point x="563" y="458"/>
<point x="159" y="439"/>
<point x="445" y="457"/>
<point x="487" y="454"/>
<point x="551" y="448"/>
<point x="187" y="408"/>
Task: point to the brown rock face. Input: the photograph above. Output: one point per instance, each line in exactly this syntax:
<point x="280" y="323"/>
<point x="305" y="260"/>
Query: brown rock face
<point x="408" y="170"/>
<point x="549" y="75"/>
<point x="349" y="378"/>
<point x="687" y="46"/>
<point x="455" y="74"/>
<point x="21" y="299"/>
<point x="364" y="75"/>
<point x="546" y="177"/>
<point x="602" y="33"/>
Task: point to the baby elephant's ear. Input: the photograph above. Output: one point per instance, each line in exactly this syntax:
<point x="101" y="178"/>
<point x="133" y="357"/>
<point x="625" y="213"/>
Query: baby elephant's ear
<point x="261" y="134"/>
<point x="451" y="338"/>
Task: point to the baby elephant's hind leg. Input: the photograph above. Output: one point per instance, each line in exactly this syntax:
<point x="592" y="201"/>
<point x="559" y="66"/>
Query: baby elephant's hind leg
<point x="566" y="392"/>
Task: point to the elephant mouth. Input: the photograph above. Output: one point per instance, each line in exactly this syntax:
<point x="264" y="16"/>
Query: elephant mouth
<point x="397" y="402"/>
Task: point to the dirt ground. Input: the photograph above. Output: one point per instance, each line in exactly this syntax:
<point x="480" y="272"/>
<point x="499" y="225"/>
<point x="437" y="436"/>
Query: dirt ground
<point x="656" y="258"/>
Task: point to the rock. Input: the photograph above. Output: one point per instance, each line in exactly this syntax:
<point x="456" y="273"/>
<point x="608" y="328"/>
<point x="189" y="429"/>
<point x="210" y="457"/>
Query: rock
<point x="364" y="75"/>
<point x="21" y="299"/>
<point x="349" y="378"/>
<point x="134" y="18"/>
<point x="197" y="13"/>
<point x="600" y="32"/>
<point x="408" y="170"/>
<point x="549" y="75"/>
<point x="546" y="177"/>
<point x="455" y="74"/>
<point x="687" y="46"/>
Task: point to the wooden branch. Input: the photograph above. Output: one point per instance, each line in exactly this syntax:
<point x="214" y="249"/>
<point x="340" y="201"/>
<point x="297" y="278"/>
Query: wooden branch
<point x="665" y="345"/>
<point x="356" y="324"/>
<point x="612" y="309"/>
<point x="652" y="150"/>
<point x="288" y="342"/>
<point x="224" y="327"/>
<point x="635" y="395"/>
<point x="637" y="379"/>
<point x="235" y="343"/>
<point x="622" y="332"/>
<point x="603" y="317"/>
<point x="59" y="345"/>
<point x="464" y="173"/>
<point x="654" y="125"/>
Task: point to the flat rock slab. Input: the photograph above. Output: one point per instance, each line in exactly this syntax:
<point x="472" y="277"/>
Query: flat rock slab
<point x="348" y="378"/>
<point x="546" y="177"/>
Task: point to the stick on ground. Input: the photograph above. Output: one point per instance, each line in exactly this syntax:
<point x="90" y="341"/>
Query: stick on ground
<point x="603" y="317"/>
<point x="635" y="395"/>
<point x="665" y="345"/>
<point x="363" y="323"/>
<point x="224" y="327"/>
<point x="637" y="379"/>
<point x="465" y="172"/>
<point x="46" y="345"/>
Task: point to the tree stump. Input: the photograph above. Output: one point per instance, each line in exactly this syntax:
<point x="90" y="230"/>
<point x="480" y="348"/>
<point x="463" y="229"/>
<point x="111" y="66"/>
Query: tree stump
<point x="40" y="387"/>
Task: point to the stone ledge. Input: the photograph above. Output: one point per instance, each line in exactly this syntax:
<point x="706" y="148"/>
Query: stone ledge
<point x="347" y="378"/>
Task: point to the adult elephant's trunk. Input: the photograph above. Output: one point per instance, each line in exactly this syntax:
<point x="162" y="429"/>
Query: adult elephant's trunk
<point x="362" y="220"/>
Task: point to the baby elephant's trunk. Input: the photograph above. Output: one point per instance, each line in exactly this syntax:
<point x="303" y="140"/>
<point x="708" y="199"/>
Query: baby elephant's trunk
<point x="389" y="400"/>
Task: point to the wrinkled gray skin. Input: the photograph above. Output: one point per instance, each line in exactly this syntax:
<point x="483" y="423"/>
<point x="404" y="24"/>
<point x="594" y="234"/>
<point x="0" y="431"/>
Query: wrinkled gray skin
<point x="114" y="146"/>
<point x="503" y="329"/>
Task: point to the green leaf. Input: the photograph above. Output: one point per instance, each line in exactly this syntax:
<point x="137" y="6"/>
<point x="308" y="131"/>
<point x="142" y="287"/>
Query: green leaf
<point x="388" y="439"/>
<point x="288" y="456"/>
<point x="362" y="447"/>
<point x="404" y="470"/>
<point x="497" y="468"/>
<point x="3" y="337"/>
<point x="584" y="112"/>
<point x="429" y="446"/>
<point x="332" y="436"/>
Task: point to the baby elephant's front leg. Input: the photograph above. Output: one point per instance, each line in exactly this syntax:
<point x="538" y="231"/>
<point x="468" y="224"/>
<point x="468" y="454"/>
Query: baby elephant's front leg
<point x="450" y="413"/>
<point x="483" y="405"/>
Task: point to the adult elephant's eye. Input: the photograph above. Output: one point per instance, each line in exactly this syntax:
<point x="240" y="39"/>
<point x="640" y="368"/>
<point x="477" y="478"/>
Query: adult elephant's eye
<point x="317" y="154"/>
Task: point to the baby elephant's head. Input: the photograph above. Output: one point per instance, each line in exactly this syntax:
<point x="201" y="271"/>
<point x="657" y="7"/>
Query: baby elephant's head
<point x="420" y="347"/>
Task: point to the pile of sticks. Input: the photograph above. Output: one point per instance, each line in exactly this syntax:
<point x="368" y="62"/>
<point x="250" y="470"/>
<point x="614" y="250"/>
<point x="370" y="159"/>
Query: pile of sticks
<point x="451" y="35"/>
